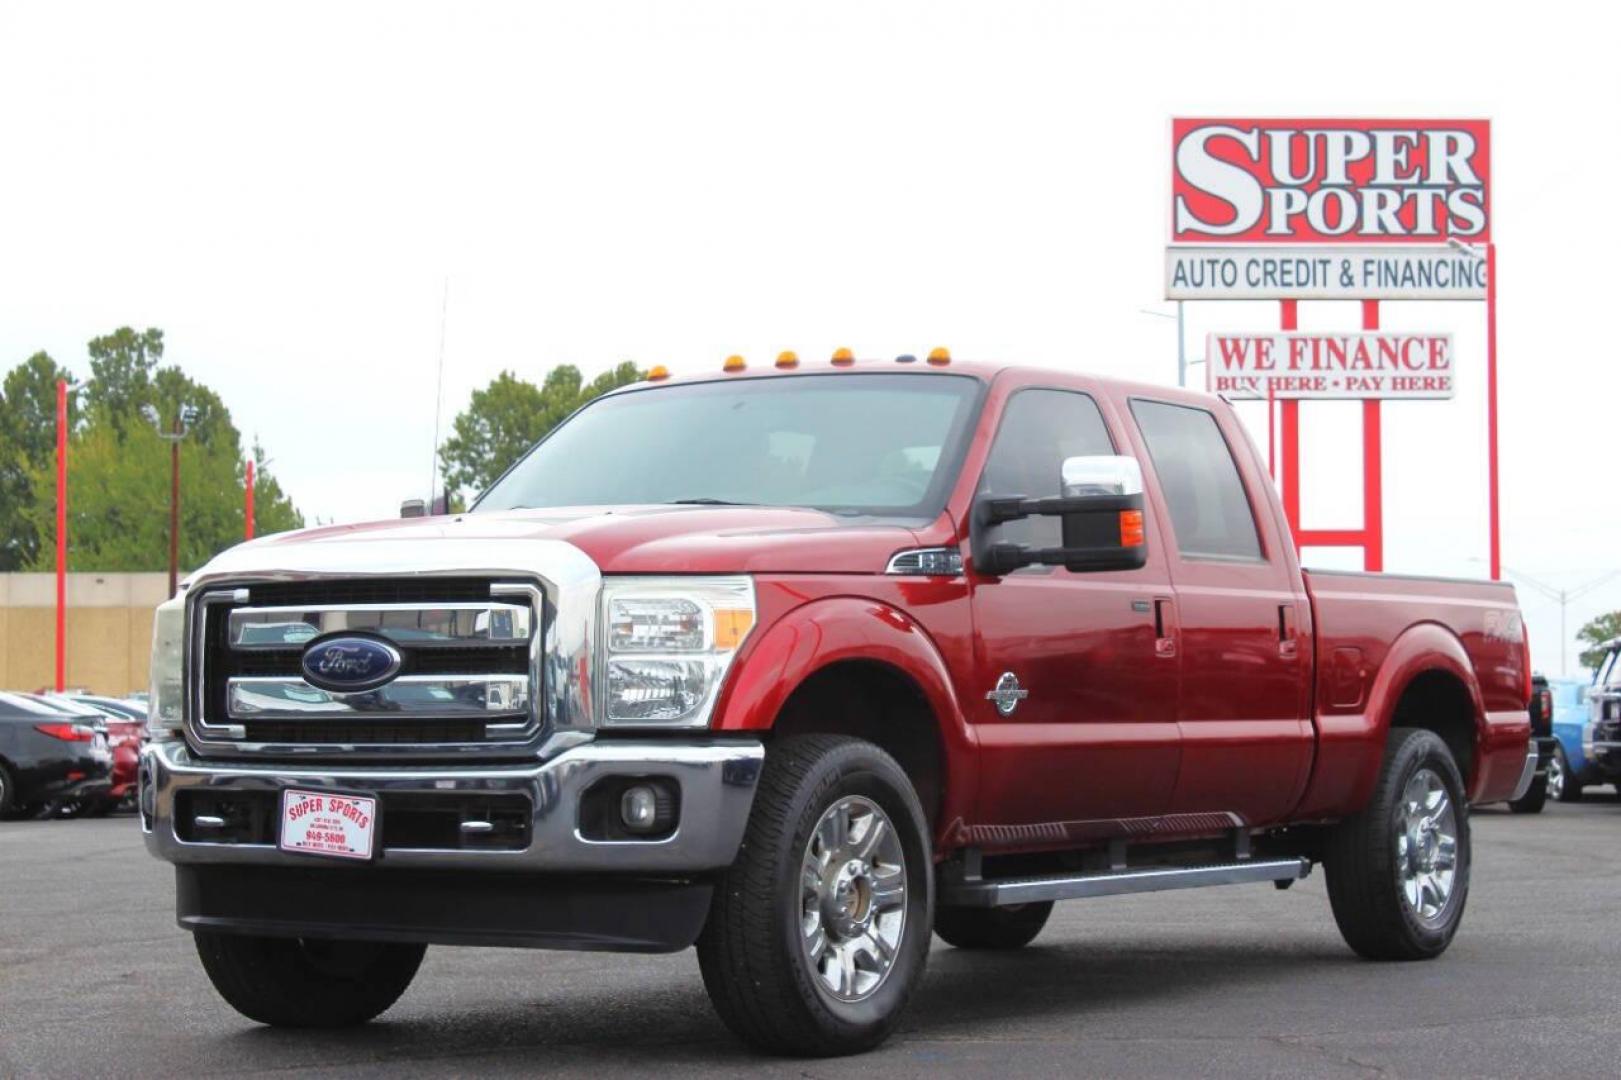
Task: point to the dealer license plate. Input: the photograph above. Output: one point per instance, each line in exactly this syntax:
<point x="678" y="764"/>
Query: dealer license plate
<point x="335" y="824"/>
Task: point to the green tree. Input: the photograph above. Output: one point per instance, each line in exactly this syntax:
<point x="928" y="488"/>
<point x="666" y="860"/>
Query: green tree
<point x="511" y="414"/>
<point x="118" y="466"/>
<point x="27" y="444"/>
<point x="1596" y="633"/>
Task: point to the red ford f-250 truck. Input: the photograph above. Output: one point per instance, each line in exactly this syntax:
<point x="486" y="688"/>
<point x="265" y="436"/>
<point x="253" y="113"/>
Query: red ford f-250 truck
<point x="798" y="667"/>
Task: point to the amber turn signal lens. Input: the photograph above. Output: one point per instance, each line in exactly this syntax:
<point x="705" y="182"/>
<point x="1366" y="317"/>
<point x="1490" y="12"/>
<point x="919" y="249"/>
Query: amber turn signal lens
<point x="842" y="357"/>
<point x="940" y="357"/>
<point x="732" y="626"/>
<point x="658" y="372"/>
<point x="733" y="363"/>
<point x="1131" y="528"/>
<point x="787" y="359"/>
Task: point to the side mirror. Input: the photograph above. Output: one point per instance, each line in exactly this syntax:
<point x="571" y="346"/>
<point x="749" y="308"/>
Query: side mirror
<point x="1101" y="511"/>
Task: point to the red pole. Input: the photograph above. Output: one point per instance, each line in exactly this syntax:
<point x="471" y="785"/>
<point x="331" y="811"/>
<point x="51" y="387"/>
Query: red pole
<point x="247" y="511"/>
<point x="1289" y="315"/>
<point x="61" y="533"/>
<point x="1491" y="411"/>
<point x="1373" y="477"/>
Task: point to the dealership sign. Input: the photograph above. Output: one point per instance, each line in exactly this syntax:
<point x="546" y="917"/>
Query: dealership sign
<point x="1328" y="209"/>
<point x="1330" y="366"/>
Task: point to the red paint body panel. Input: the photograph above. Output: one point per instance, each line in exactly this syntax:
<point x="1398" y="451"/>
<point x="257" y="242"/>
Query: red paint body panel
<point x="1177" y="700"/>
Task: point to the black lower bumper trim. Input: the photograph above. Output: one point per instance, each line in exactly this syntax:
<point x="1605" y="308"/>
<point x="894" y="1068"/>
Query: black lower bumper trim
<point x="444" y="907"/>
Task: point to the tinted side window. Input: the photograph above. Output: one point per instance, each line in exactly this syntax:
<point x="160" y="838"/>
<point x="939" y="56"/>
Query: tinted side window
<point x="1040" y="428"/>
<point x="1209" y="510"/>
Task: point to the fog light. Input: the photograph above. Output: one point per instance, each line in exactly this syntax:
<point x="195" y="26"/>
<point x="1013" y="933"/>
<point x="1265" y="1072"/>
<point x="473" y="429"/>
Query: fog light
<point x="645" y="808"/>
<point x="639" y="808"/>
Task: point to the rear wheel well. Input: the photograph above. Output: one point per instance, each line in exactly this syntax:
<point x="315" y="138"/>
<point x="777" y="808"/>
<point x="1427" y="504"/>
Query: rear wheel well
<point x="876" y="702"/>
<point x="1438" y="701"/>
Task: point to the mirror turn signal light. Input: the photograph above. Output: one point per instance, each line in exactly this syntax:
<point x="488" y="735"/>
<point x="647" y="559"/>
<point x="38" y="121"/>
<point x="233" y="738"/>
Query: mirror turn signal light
<point x="787" y="359"/>
<point x="1131" y="528"/>
<point x="733" y="363"/>
<point x="940" y="356"/>
<point x="843" y="357"/>
<point x="658" y="371"/>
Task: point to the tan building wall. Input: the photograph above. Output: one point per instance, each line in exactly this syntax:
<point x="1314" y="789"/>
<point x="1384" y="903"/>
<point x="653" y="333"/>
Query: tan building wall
<point x="109" y="630"/>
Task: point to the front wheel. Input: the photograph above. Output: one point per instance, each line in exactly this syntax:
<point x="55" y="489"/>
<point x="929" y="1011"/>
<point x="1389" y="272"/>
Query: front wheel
<point x="1398" y="872"/>
<point x="1562" y="783"/>
<point x="819" y="931"/>
<point x="307" y="983"/>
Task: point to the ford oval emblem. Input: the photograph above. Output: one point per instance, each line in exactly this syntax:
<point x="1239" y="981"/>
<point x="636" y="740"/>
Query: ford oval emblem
<point x="349" y="665"/>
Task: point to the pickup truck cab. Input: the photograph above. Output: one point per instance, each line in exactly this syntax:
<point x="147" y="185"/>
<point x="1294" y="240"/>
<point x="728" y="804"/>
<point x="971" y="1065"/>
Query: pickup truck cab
<point x="797" y="666"/>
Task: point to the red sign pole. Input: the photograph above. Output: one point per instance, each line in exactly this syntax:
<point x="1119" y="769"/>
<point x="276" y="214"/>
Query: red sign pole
<point x="61" y="533"/>
<point x="1491" y="411"/>
<point x="247" y="508"/>
<point x="1373" y="475"/>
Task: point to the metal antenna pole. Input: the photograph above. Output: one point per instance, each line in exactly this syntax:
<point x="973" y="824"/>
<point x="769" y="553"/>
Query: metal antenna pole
<point x="438" y="400"/>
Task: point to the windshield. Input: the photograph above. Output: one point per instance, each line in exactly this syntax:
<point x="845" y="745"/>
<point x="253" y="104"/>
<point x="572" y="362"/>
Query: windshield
<point x="874" y="444"/>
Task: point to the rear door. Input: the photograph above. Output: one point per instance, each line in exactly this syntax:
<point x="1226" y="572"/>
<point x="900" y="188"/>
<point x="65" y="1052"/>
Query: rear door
<point x="1242" y="614"/>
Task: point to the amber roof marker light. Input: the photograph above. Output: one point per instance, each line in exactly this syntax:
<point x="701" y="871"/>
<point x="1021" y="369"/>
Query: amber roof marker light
<point x="733" y="363"/>
<point x="787" y="359"/>
<point x="940" y="356"/>
<point x="843" y="357"/>
<point x="657" y="372"/>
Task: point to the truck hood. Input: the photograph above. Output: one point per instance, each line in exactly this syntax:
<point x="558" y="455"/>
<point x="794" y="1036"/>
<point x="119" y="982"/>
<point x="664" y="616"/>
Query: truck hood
<point x="629" y="539"/>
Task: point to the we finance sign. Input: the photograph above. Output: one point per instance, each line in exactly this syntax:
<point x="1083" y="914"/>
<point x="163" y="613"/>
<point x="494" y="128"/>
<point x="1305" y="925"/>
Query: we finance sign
<point x="1330" y="366"/>
<point x="1329" y="209"/>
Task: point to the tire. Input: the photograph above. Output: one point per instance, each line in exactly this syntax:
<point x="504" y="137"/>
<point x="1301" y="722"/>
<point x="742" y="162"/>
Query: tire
<point x="1562" y="783"/>
<point x="8" y="791"/>
<point x="1370" y="870"/>
<point x="1534" y="799"/>
<point x="812" y="827"/>
<point x="1011" y="927"/>
<point x="301" y="983"/>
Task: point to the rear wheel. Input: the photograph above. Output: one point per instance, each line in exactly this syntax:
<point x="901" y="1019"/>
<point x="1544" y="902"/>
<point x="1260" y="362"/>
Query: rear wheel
<point x="1534" y="799"/>
<point x="819" y="931"/>
<point x="1398" y="872"/>
<point x="1011" y="927"/>
<point x="307" y="983"/>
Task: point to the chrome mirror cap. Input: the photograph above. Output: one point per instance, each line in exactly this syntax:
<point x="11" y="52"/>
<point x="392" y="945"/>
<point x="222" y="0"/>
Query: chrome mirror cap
<point x="1102" y="474"/>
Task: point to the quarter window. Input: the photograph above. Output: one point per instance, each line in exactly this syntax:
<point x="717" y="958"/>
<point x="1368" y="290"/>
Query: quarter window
<point x="1039" y="429"/>
<point x="1209" y="510"/>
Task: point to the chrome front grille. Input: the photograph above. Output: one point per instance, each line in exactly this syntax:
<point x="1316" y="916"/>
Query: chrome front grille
<point x="469" y="682"/>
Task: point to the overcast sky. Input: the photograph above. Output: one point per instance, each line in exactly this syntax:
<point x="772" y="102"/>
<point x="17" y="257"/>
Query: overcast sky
<point x="285" y="189"/>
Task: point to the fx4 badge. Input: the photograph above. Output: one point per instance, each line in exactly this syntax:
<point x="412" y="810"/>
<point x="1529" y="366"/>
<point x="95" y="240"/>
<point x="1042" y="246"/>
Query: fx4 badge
<point x="1008" y="693"/>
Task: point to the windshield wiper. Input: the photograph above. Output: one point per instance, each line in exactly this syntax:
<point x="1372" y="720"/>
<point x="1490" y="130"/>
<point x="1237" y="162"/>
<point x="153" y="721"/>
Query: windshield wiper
<point x="705" y="502"/>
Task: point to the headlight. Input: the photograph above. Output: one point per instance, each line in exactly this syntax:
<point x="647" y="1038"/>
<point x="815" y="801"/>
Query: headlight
<point x="669" y="643"/>
<point x="163" y="715"/>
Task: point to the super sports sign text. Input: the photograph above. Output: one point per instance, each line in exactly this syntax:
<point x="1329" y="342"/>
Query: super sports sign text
<point x="1330" y="181"/>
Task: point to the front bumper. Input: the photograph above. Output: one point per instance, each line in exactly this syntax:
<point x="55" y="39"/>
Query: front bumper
<point x="716" y="779"/>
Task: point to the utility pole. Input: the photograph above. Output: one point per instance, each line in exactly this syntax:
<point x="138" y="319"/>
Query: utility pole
<point x="185" y="416"/>
<point x="1563" y="597"/>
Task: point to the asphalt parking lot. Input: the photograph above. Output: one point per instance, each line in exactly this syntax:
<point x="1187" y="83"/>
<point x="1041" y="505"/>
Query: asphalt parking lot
<point x="95" y="980"/>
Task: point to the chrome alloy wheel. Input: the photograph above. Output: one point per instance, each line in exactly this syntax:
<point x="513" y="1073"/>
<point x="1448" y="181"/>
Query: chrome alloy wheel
<point x="852" y="898"/>
<point x="1556" y="776"/>
<point x="1426" y="846"/>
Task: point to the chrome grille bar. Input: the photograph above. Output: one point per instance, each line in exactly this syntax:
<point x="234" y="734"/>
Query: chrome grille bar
<point x="288" y="697"/>
<point x="422" y="625"/>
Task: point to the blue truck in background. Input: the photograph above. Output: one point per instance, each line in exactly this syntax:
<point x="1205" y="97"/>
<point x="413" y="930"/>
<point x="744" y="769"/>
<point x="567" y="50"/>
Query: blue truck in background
<point x="1587" y="730"/>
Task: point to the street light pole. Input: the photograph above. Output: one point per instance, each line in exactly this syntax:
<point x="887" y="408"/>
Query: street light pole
<point x="1564" y="597"/>
<point x="183" y="420"/>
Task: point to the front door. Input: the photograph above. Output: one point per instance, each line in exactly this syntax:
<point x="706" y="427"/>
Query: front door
<point x="1081" y="734"/>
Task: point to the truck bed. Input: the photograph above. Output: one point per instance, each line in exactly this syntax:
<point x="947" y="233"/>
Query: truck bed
<point x="1373" y="633"/>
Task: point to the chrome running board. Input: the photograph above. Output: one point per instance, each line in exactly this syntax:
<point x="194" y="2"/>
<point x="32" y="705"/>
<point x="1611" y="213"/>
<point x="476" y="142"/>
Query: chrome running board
<point x="999" y="892"/>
